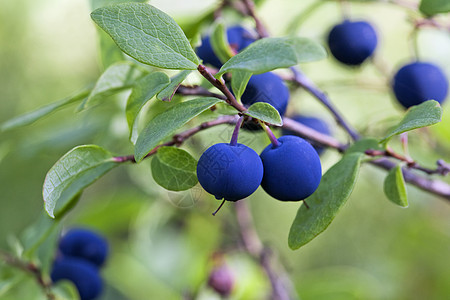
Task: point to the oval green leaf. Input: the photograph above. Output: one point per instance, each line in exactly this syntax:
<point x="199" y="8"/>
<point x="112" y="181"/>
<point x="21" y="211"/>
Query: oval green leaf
<point x="166" y="123"/>
<point x="174" y="169"/>
<point x="147" y="34"/>
<point x="364" y="144"/>
<point x="265" y="112"/>
<point x="219" y="42"/>
<point x="395" y="188"/>
<point x="73" y="172"/>
<point x="433" y="7"/>
<point x="272" y="53"/>
<point x="117" y="77"/>
<point x="167" y="93"/>
<point x="335" y="188"/>
<point x="144" y="90"/>
<point x="239" y="81"/>
<point x="425" y="114"/>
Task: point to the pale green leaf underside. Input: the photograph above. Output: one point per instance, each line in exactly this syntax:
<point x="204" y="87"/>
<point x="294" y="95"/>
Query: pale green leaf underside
<point x="174" y="169"/>
<point x="395" y="188"/>
<point x="219" y="42"/>
<point x="265" y="112"/>
<point x="117" y="77"/>
<point x="33" y="116"/>
<point x="239" y="81"/>
<point x="432" y="7"/>
<point x="144" y="90"/>
<point x="76" y="170"/>
<point x="335" y="188"/>
<point x="166" y="123"/>
<point x="167" y="93"/>
<point x="425" y="114"/>
<point x="272" y="53"/>
<point x="147" y="34"/>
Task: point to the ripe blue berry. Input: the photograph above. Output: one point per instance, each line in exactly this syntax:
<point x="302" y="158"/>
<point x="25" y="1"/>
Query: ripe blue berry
<point x="230" y="172"/>
<point x="269" y="88"/>
<point x="352" y="43"/>
<point x="85" y="244"/>
<point x="238" y="38"/>
<point x="292" y="171"/>
<point x="82" y="273"/>
<point x="314" y="123"/>
<point x="417" y="82"/>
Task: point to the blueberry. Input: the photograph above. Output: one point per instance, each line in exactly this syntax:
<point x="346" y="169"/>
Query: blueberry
<point x="230" y="172"/>
<point x="267" y="87"/>
<point x="314" y="123"/>
<point x="417" y="82"/>
<point x="292" y="171"/>
<point x="238" y="38"/>
<point x="352" y="43"/>
<point x="221" y="280"/>
<point x="82" y="273"/>
<point x="83" y="243"/>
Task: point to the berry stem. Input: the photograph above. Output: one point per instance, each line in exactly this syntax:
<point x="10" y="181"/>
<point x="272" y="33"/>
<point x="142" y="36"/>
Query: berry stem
<point x="234" y="137"/>
<point x="220" y="206"/>
<point x="273" y="139"/>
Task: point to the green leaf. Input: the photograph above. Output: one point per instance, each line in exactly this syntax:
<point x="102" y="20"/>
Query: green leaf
<point x="166" y="123"/>
<point x="144" y="90"/>
<point x="31" y="117"/>
<point x="265" y="112"/>
<point x="167" y="93"/>
<point x="239" y="81"/>
<point x="117" y="77"/>
<point x="394" y="187"/>
<point x="432" y="7"/>
<point x="174" y="169"/>
<point x="335" y="188"/>
<point x="35" y="235"/>
<point x="364" y="144"/>
<point x="272" y="53"/>
<point x="65" y="290"/>
<point x="147" y="34"/>
<point x="109" y="52"/>
<point x="219" y="42"/>
<point x="425" y="114"/>
<point x="73" y="172"/>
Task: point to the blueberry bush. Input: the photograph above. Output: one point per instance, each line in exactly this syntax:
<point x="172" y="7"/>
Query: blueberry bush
<point x="236" y="149"/>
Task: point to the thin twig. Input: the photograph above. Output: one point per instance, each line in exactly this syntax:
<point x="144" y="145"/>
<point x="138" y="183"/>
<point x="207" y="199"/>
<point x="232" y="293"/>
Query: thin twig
<point x="197" y="91"/>
<point x="282" y="288"/>
<point x="260" y="28"/>
<point x="29" y="268"/>
<point x="178" y="139"/>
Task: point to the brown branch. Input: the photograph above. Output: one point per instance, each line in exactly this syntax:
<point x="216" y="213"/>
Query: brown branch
<point x="282" y="288"/>
<point x="179" y="139"/>
<point x="197" y="91"/>
<point x="29" y="268"/>
<point x="260" y="28"/>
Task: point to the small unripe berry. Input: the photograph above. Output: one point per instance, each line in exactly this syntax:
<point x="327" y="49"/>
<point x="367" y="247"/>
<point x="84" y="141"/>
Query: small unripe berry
<point x="221" y="280"/>
<point x="292" y="170"/>
<point x="230" y="172"/>
<point x="417" y="82"/>
<point x="82" y="273"/>
<point x="352" y="42"/>
<point x="85" y="244"/>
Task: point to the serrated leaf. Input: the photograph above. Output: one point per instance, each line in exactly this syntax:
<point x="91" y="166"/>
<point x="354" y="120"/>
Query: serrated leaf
<point x="117" y="77"/>
<point x="166" y="123"/>
<point x="219" y="42"/>
<point x="394" y="187"/>
<point x="425" y="114"/>
<point x="239" y="81"/>
<point x="364" y="144"/>
<point x="265" y="112"/>
<point x="73" y="172"/>
<point x="31" y="117"/>
<point x="272" y="53"/>
<point x="174" y="169"/>
<point x="335" y="188"/>
<point x="167" y="93"/>
<point x="433" y="7"/>
<point x="144" y="90"/>
<point x="147" y="34"/>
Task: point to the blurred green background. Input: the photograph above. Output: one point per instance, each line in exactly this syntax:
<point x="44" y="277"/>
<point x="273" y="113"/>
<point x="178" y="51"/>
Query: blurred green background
<point x="162" y="242"/>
